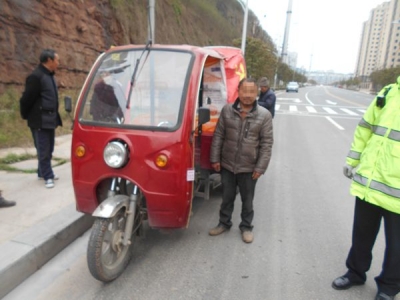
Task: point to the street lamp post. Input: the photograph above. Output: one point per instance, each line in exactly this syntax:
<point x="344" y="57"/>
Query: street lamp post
<point x="277" y="64"/>
<point x="276" y="73"/>
<point x="151" y="21"/>
<point x="244" y="32"/>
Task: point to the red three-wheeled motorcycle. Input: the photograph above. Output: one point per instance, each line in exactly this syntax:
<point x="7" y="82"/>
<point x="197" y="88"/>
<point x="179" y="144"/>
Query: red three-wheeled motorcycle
<point x="142" y="131"/>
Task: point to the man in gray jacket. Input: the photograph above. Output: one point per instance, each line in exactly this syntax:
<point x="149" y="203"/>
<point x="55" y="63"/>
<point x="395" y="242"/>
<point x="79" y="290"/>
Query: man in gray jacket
<point x="241" y="151"/>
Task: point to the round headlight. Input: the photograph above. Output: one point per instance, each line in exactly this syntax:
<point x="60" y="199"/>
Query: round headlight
<point x="115" y="155"/>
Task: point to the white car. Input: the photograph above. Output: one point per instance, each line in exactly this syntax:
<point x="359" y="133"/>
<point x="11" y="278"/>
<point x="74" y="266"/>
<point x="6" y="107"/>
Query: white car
<point x="292" y="87"/>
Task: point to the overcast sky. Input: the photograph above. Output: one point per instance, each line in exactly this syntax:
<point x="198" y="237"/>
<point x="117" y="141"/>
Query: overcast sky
<point x="330" y="31"/>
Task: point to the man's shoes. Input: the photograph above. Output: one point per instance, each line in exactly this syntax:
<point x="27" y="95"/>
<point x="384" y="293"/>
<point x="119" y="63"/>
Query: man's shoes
<point x="49" y="183"/>
<point x="344" y="283"/>
<point x="218" y="230"/>
<point x="6" y="203"/>
<point x="247" y="236"/>
<point x="55" y="177"/>
<point x="383" y="296"/>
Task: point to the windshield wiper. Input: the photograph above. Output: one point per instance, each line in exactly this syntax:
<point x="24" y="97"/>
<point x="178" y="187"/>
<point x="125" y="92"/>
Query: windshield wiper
<point x="133" y="78"/>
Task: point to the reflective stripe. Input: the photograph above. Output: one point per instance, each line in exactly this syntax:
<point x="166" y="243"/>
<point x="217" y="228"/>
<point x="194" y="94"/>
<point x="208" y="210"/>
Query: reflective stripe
<point x="360" y="179"/>
<point x="354" y="155"/>
<point x="394" y="135"/>
<point x="378" y="186"/>
<point x="385" y="189"/>
<point x="379" y="130"/>
<point x="364" y="124"/>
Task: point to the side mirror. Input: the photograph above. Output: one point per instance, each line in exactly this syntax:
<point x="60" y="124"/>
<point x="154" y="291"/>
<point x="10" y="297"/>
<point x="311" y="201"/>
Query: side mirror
<point x="68" y="104"/>
<point x="204" y="115"/>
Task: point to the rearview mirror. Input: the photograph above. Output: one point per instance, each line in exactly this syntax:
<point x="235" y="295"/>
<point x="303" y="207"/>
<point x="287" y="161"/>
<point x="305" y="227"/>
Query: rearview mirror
<point x="68" y="104"/>
<point x="204" y="115"/>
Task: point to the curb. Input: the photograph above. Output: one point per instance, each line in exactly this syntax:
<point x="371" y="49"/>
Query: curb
<point x="26" y="253"/>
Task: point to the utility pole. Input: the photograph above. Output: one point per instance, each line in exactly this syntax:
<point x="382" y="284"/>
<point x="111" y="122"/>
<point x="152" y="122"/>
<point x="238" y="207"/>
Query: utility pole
<point x="244" y="32"/>
<point x="152" y="25"/>
<point x="286" y="36"/>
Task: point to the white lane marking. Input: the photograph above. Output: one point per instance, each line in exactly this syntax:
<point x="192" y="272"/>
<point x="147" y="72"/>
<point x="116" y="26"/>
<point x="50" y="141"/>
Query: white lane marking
<point x="296" y="100"/>
<point x="311" y="109"/>
<point x="277" y="106"/>
<point x="334" y="123"/>
<point x="362" y="110"/>
<point x="330" y="110"/>
<point x="308" y="99"/>
<point x="330" y="102"/>
<point x="292" y="108"/>
<point x="349" y="111"/>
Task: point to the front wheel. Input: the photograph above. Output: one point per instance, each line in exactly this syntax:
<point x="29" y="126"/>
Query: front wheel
<point x="107" y="256"/>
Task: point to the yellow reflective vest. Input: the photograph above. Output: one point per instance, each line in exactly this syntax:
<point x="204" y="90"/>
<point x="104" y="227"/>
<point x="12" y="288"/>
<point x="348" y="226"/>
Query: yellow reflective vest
<point x="375" y="152"/>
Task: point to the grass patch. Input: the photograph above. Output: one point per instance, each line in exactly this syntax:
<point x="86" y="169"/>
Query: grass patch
<point x="6" y="162"/>
<point x="14" y="130"/>
<point x="14" y="158"/>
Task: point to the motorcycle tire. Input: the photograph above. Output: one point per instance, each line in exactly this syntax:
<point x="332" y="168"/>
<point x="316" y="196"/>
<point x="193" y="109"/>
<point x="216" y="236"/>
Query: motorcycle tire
<point x="107" y="257"/>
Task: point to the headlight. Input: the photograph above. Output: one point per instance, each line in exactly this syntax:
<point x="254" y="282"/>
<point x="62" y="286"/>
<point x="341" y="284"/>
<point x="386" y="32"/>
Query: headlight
<point x="115" y="155"/>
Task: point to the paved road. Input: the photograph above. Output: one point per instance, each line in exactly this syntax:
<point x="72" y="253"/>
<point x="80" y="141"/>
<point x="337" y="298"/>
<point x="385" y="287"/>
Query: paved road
<point x="302" y="227"/>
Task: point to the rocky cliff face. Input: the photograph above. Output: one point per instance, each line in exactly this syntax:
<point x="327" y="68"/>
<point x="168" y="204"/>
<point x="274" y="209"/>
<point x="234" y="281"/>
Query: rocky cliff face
<point x="79" y="30"/>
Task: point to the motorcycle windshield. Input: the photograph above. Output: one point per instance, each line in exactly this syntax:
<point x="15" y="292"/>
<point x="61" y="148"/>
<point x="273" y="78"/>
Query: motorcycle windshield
<point x="156" y="96"/>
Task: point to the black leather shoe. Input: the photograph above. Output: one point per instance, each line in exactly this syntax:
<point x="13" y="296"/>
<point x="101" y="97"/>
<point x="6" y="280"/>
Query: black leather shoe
<point x="6" y="203"/>
<point x="344" y="283"/>
<point x="383" y="296"/>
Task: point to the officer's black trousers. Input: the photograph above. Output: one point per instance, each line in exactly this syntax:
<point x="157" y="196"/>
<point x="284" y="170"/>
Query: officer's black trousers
<point x="367" y="221"/>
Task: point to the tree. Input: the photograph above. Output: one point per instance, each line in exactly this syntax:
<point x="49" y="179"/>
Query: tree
<point x="261" y="61"/>
<point x="384" y="77"/>
<point x="260" y="58"/>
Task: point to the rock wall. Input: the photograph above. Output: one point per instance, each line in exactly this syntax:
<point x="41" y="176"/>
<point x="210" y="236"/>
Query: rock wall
<point x="79" y="30"/>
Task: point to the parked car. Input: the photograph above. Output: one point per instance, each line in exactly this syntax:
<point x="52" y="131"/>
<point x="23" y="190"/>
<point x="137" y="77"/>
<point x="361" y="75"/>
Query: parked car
<point x="292" y="87"/>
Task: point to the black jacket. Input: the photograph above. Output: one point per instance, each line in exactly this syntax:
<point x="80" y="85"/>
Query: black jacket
<point x="39" y="102"/>
<point x="268" y="100"/>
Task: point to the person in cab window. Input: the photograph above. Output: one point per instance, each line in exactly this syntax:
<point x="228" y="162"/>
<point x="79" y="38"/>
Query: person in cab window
<point x="104" y="105"/>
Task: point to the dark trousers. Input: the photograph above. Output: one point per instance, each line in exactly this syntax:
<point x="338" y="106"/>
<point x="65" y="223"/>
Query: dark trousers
<point x="44" y="144"/>
<point x="246" y="185"/>
<point x="367" y="220"/>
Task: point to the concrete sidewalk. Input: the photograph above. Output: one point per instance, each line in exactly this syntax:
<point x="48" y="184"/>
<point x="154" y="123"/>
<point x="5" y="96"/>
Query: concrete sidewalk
<point x="43" y="222"/>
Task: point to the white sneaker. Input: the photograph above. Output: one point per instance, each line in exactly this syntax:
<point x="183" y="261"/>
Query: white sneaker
<point x="56" y="177"/>
<point x="49" y="183"/>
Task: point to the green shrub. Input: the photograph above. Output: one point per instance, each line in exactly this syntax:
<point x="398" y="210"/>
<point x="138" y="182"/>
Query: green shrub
<point x="14" y="130"/>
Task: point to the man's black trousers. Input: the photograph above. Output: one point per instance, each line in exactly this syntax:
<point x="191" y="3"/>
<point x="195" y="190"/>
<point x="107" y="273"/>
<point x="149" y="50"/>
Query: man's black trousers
<point x="44" y="143"/>
<point x="246" y="185"/>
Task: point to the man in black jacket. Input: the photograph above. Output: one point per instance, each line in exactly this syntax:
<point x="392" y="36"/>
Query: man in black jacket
<point x="267" y="97"/>
<point x="39" y="106"/>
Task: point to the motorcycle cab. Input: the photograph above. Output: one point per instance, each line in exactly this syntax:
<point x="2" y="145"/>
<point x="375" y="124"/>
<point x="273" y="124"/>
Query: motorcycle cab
<point x="142" y="131"/>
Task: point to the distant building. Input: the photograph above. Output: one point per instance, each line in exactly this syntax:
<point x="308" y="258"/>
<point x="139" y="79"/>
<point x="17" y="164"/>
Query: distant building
<point x="292" y="60"/>
<point x="328" y="77"/>
<point x="380" y="41"/>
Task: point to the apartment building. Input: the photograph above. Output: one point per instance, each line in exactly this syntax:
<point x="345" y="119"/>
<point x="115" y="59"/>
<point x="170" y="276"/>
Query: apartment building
<point x="380" y="40"/>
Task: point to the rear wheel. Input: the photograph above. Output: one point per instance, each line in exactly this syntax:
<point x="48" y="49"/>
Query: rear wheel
<point x="107" y="256"/>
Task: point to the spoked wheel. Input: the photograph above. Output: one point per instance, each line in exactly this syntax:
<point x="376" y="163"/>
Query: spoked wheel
<point x="107" y="256"/>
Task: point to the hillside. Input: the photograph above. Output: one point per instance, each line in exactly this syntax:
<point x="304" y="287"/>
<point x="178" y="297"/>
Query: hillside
<point x="81" y="29"/>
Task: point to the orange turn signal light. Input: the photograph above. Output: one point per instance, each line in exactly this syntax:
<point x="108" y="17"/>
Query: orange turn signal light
<point x="80" y="151"/>
<point x="161" y="160"/>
